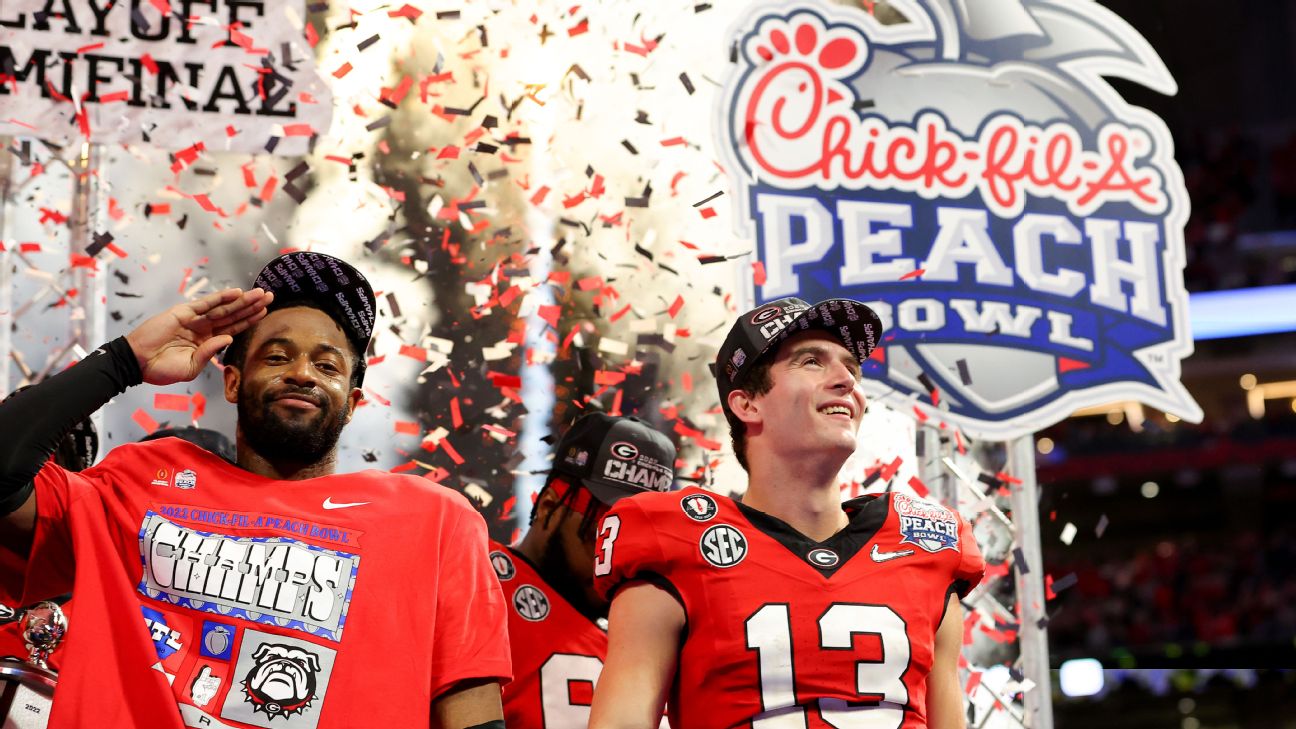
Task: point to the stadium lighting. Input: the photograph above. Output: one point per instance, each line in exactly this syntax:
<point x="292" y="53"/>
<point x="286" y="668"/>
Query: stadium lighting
<point x="1080" y="677"/>
<point x="1242" y="312"/>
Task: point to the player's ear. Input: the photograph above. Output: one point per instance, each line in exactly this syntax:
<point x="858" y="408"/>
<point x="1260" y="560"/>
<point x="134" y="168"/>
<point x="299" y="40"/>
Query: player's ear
<point x="545" y="504"/>
<point x="744" y="406"/>
<point x="232" y="376"/>
<point x="353" y="401"/>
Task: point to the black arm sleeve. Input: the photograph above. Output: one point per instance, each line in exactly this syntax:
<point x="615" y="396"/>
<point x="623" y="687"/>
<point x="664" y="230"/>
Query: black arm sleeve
<point x="37" y="419"/>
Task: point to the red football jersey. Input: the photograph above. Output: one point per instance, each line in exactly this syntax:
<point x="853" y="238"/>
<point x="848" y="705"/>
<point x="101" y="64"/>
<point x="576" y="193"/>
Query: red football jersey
<point x="787" y="632"/>
<point x="209" y="596"/>
<point x="557" y="652"/>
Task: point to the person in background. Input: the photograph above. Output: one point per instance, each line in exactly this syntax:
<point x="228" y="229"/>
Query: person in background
<point x="556" y="619"/>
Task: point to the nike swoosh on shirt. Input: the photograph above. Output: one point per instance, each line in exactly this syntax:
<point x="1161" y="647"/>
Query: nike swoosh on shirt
<point x="880" y="556"/>
<point x="329" y="503"/>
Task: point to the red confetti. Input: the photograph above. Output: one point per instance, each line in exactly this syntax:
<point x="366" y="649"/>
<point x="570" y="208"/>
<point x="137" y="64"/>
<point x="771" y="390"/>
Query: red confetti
<point x="604" y="377"/>
<point x="406" y="427"/>
<point x="343" y="70"/>
<point x="889" y="470"/>
<point x="450" y="451"/>
<point x="413" y="352"/>
<point x="145" y="421"/>
<point x="168" y="401"/>
<point x="675" y="307"/>
<point x="456" y="417"/>
<point x="550" y="314"/>
<point x="919" y="487"/>
<point x="913" y="274"/>
<point x="577" y="29"/>
<point x="406" y="11"/>
<point x="758" y="273"/>
<point x="199" y="406"/>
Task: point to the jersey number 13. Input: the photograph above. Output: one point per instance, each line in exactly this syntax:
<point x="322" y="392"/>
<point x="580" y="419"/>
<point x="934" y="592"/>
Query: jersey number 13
<point x="769" y="633"/>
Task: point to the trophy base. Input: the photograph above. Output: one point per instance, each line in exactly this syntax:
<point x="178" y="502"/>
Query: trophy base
<point x="26" y="694"/>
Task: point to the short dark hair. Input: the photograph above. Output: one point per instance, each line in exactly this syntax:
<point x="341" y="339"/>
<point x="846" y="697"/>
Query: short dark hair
<point x="755" y="382"/>
<point x="237" y="352"/>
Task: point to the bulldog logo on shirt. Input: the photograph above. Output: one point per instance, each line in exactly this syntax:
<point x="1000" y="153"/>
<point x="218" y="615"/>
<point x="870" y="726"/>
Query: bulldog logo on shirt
<point x="283" y="680"/>
<point x="278" y="681"/>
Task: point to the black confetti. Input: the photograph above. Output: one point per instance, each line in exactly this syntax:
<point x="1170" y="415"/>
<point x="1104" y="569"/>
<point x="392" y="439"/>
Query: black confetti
<point x="1019" y="561"/>
<point x="964" y="375"/>
<point x="713" y="196"/>
<point x="100" y="242"/>
<point x="1063" y="583"/>
<point x="688" y="85"/>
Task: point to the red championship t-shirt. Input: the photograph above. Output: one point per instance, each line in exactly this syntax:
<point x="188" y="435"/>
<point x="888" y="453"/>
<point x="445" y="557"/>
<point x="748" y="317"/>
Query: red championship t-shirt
<point x="208" y="596"/>
<point x="557" y="652"/>
<point x="810" y="634"/>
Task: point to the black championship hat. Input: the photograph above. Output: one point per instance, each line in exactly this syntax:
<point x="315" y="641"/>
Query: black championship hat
<point x="759" y="332"/>
<point x="615" y="457"/>
<point x="330" y="283"/>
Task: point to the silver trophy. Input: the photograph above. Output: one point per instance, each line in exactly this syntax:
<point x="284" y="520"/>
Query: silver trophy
<point x="27" y="687"/>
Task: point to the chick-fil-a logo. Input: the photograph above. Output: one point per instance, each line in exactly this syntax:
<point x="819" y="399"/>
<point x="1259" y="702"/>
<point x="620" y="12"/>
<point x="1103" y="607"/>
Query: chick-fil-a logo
<point x="1016" y="224"/>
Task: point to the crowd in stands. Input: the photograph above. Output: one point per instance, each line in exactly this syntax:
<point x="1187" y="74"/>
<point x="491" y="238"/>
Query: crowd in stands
<point x="1220" y="590"/>
<point x="1238" y="184"/>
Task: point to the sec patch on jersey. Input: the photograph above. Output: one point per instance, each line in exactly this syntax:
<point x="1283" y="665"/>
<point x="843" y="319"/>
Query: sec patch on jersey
<point x="723" y="545"/>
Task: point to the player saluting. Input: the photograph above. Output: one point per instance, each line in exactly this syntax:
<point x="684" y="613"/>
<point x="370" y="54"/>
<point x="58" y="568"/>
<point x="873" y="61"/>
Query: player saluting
<point x="270" y="593"/>
<point x="789" y="610"/>
<point x="557" y="645"/>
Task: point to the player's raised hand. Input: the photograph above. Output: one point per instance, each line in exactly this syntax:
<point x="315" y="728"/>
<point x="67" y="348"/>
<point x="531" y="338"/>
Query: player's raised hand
<point x="175" y="345"/>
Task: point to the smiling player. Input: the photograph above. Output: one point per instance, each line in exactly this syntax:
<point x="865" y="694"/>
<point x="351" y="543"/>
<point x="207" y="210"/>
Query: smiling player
<point x="789" y="609"/>
<point x="269" y="593"/>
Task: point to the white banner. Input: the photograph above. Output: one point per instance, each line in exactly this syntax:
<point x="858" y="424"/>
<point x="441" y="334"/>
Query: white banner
<point x="234" y="75"/>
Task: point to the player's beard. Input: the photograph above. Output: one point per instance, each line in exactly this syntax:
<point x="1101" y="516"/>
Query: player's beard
<point x="277" y="439"/>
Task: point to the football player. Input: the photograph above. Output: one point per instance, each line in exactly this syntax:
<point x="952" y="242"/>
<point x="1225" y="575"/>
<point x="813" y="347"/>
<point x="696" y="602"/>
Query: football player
<point x="557" y="642"/>
<point x="787" y="609"/>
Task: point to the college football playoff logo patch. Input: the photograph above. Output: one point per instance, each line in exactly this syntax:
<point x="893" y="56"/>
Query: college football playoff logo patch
<point x="699" y="507"/>
<point x="503" y="565"/>
<point x="723" y="545"/>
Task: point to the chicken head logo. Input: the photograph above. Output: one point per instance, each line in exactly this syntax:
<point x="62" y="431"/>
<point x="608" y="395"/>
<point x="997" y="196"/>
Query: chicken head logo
<point x="967" y="170"/>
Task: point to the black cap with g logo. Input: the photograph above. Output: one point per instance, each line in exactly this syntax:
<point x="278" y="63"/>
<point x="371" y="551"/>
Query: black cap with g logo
<point x="615" y="457"/>
<point x="758" y="333"/>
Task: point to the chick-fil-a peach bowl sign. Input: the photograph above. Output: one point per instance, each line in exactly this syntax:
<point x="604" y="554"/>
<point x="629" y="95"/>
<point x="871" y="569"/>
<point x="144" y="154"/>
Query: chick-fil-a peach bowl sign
<point x="967" y="170"/>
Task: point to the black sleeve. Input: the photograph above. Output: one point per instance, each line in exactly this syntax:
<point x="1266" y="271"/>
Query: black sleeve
<point x="37" y="419"/>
